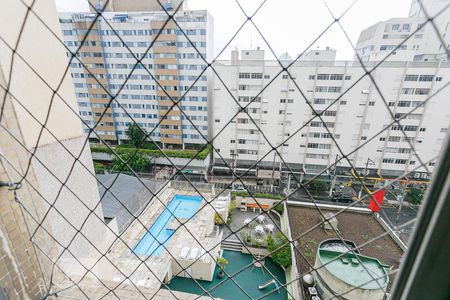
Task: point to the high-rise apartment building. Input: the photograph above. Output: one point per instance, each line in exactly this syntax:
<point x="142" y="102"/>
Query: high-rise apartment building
<point x="425" y="44"/>
<point x="282" y="117"/>
<point x="170" y="70"/>
<point x="135" y="5"/>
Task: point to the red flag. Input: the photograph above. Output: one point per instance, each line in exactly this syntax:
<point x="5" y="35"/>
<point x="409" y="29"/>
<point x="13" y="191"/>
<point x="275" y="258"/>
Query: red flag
<point x="377" y="201"/>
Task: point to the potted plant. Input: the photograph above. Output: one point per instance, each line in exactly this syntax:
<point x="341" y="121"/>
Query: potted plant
<point x="222" y="262"/>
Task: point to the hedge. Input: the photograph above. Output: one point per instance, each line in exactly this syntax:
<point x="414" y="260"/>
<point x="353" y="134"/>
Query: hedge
<point x="257" y="195"/>
<point x="155" y="153"/>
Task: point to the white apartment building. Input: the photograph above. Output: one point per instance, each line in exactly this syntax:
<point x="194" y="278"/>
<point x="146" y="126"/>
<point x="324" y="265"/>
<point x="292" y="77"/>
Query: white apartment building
<point x="377" y="41"/>
<point x="169" y="57"/>
<point x="284" y="118"/>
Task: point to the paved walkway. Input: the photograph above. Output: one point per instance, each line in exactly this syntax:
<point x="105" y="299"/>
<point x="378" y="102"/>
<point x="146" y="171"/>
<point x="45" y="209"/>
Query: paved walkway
<point x="238" y="221"/>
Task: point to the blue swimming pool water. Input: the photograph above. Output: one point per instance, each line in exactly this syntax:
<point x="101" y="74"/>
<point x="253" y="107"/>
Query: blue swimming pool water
<point x="180" y="206"/>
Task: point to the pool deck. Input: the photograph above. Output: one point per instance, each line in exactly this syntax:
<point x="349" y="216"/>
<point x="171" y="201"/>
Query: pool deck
<point x="186" y="235"/>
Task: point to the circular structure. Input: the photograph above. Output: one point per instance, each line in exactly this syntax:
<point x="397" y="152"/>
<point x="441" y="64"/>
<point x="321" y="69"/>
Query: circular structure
<point x="340" y="268"/>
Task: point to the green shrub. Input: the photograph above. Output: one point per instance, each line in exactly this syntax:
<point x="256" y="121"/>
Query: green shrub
<point x="154" y="153"/>
<point x="99" y="168"/>
<point x="318" y="185"/>
<point x="137" y="162"/>
<point x="415" y="195"/>
<point x="257" y="195"/>
<point x="230" y="212"/>
<point x="283" y="256"/>
<point x="279" y="208"/>
<point x="218" y="219"/>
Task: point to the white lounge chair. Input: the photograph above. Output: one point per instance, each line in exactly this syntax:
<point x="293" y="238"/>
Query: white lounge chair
<point x="184" y="252"/>
<point x="247" y="221"/>
<point x="259" y="229"/>
<point x="220" y="204"/>
<point x="193" y="254"/>
<point x="269" y="228"/>
<point x="261" y="218"/>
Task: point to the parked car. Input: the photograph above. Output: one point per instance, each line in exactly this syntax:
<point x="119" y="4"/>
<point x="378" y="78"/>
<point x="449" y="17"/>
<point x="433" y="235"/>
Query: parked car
<point x="341" y="197"/>
<point x="239" y="189"/>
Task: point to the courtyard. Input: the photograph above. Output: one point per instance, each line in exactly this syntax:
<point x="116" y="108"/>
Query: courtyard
<point x="248" y="280"/>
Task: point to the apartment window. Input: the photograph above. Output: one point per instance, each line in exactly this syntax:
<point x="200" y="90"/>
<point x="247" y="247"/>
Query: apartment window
<point x="329" y="113"/>
<point x="321" y="89"/>
<point x="422" y="129"/>
<point x="312" y="77"/>
<point x="406" y="27"/>
<point x="256" y="75"/>
<point x="404" y="103"/>
<point x="282" y="100"/>
<point x="336" y="77"/>
<point x="417" y="103"/>
<point x="371" y="103"/>
<point x="343" y="102"/>
<point x="426" y="78"/>
<point x="323" y="76"/>
<point x="266" y="76"/>
<point x="408" y="91"/>
<point x="404" y="150"/>
<point x="394" y="139"/>
<point x="382" y="139"/>
<point x="348" y="77"/>
<point x="334" y="89"/>
<point x="388" y="160"/>
<point x="422" y="91"/>
<point x="395" y="26"/>
<point x="411" y="77"/>
<point x="438" y="78"/>
<point x="285" y="76"/>
<point x="244" y="75"/>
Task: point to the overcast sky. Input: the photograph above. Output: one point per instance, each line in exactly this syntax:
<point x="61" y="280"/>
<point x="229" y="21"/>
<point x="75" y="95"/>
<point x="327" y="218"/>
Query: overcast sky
<point x="287" y="25"/>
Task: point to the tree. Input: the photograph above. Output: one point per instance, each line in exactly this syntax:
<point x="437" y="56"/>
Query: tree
<point x="415" y="195"/>
<point x="138" y="162"/>
<point x="135" y="134"/>
<point x="283" y="256"/>
<point x="318" y="185"/>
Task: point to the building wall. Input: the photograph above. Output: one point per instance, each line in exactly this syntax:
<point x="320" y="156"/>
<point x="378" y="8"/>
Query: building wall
<point x="377" y="41"/>
<point x="134" y="5"/>
<point x="172" y="59"/>
<point x="281" y="110"/>
<point x="57" y="193"/>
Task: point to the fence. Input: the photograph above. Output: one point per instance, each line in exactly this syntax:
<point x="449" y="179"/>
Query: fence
<point x="46" y="162"/>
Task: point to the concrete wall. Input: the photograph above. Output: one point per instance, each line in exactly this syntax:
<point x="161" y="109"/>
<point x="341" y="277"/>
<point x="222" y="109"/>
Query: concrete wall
<point x="58" y="191"/>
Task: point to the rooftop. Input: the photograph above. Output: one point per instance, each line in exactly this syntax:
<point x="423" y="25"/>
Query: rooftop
<point x="128" y="191"/>
<point x="358" y="227"/>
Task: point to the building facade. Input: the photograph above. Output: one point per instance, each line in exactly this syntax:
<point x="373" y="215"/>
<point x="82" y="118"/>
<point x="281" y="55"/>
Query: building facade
<point x="135" y="5"/>
<point x="417" y="39"/>
<point x="171" y="70"/>
<point x="282" y="114"/>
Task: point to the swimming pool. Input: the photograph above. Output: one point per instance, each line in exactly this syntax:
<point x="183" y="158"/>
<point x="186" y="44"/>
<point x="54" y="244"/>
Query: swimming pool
<point x="181" y="206"/>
